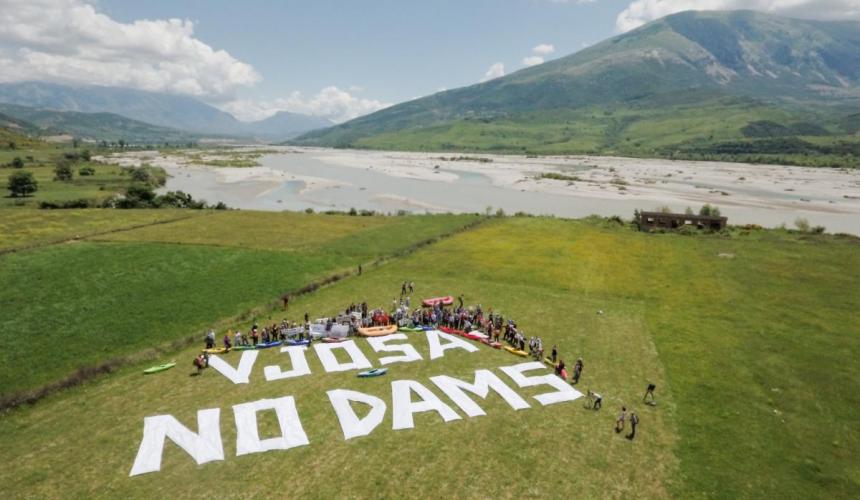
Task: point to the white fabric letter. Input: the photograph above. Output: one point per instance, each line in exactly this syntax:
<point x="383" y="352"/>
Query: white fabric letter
<point x="297" y="360"/>
<point x="564" y="393"/>
<point x="379" y="345"/>
<point x="437" y="349"/>
<point x="204" y="446"/>
<point x="484" y="381"/>
<point x="239" y="376"/>
<point x="403" y="408"/>
<point x="351" y="425"/>
<point x="248" y="435"/>
<point x="331" y="364"/>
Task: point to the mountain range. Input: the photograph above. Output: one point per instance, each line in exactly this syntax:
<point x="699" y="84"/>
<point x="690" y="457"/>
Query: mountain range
<point x="167" y="116"/>
<point x="683" y="81"/>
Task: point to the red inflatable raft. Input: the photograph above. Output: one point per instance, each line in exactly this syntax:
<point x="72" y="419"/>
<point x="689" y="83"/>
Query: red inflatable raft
<point x="445" y="301"/>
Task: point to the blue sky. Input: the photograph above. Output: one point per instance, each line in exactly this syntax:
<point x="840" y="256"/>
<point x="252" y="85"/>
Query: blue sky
<point x="384" y="50"/>
<point x="337" y="59"/>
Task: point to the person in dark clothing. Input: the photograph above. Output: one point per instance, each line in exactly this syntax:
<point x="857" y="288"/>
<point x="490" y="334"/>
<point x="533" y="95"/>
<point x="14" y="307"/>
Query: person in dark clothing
<point x="286" y="299"/>
<point x="460" y="300"/>
<point x="650" y="392"/>
<point x="403" y="289"/>
<point x="577" y="370"/>
<point x="307" y="318"/>
<point x="634" y="421"/>
<point x="554" y="353"/>
<point x="359" y="269"/>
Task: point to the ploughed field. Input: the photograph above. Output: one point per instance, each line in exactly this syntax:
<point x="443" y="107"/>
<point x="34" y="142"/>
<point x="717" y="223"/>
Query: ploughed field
<point x="751" y="339"/>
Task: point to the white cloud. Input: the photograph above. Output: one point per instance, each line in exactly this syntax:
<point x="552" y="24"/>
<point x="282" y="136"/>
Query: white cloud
<point x="496" y="70"/>
<point x="543" y="49"/>
<point x="331" y="102"/>
<point x="69" y="41"/>
<point x="532" y="60"/>
<point x="643" y="11"/>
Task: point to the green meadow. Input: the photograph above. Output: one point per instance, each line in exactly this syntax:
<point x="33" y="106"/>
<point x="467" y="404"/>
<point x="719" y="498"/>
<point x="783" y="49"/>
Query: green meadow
<point x="750" y="337"/>
<point x="84" y="302"/>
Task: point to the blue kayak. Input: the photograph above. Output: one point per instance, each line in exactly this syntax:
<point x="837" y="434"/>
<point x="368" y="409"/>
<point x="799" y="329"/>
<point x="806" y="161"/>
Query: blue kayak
<point x="298" y="342"/>
<point x="373" y="373"/>
<point x="269" y="344"/>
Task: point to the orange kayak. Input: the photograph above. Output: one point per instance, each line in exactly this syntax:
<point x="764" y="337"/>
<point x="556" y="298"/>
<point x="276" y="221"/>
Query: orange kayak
<point x="377" y="331"/>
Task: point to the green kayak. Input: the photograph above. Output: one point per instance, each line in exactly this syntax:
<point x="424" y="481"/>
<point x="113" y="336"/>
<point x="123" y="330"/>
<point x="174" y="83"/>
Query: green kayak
<point x="159" y="368"/>
<point x="244" y="348"/>
<point x="410" y="330"/>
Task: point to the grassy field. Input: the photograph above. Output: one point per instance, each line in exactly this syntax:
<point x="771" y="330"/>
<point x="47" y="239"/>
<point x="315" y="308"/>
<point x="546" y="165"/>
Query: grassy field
<point x="19" y="228"/>
<point x="750" y="339"/>
<point x="55" y="296"/>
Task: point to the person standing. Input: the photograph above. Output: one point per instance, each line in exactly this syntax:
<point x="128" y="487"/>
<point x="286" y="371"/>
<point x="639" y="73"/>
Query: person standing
<point x="554" y="353"/>
<point x="210" y="339"/>
<point x="460" y="300"/>
<point x="286" y="299"/>
<point x="359" y="269"/>
<point x="619" y="422"/>
<point x="577" y="370"/>
<point x="634" y="421"/>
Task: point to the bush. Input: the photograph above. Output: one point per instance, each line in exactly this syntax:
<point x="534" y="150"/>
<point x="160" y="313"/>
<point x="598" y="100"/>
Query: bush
<point x="819" y="229"/>
<point x="17" y="162"/>
<point x="86" y="171"/>
<point x="708" y="210"/>
<point x="63" y="171"/>
<point x="802" y="224"/>
<point x="353" y="211"/>
<point x="309" y="210"/>
<point x="367" y="213"/>
<point x="79" y="203"/>
<point x="22" y="184"/>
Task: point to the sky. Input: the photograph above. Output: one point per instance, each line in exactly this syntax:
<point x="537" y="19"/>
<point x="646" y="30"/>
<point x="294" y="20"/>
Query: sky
<point x="336" y="59"/>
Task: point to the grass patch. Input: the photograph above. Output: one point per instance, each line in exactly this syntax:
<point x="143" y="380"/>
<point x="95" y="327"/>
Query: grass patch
<point x="757" y="386"/>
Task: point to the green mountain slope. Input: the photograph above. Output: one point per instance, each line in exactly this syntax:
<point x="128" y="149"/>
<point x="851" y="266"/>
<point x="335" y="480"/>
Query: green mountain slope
<point x="93" y="126"/>
<point x="677" y="82"/>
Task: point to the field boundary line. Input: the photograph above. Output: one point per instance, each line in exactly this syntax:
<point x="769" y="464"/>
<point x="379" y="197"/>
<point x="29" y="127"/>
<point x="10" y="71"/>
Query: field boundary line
<point x="88" y="373"/>
<point x="35" y="246"/>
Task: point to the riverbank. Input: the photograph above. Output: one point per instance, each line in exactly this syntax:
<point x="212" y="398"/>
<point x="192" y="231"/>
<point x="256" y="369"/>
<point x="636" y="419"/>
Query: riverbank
<point x="566" y="186"/>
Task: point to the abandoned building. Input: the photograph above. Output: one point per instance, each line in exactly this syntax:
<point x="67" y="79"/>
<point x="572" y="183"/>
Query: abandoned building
<point x="658" y="220"/>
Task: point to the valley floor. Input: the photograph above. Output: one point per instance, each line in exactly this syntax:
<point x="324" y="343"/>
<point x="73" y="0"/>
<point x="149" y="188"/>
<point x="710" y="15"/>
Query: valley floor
<point x="750" y="337"/>
<point x="566" y="186"/>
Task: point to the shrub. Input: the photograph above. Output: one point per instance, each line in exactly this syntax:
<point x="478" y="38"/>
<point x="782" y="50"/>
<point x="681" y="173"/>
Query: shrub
<point x="353" y="211"/>
<point x="802" y="224"/>
<point x="17" y="162"/>
<point x="708" y="210"/>
<point x="22" y="184"/>
<point x="86" y="171"/>
<point x="309" y="210"/>
<point x="63" y="171"/>
<point x="79" y="203"/>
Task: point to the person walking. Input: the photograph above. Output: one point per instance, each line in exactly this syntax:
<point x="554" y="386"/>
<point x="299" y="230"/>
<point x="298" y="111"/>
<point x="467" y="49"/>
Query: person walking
<point x="649" y="392"/>
<point x="634" y="421"/>
<point x="619" y="422"/>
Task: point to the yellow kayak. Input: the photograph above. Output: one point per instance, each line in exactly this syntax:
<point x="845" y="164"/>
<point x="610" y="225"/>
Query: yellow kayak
<point x="516" y="351"/>
<point x="377" y="331"/>
<point x="217" y="350"/>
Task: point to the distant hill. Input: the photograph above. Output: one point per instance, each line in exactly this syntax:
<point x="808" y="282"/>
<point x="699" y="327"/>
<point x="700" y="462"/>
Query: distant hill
<point x="285" y="125"/>
<point x="162" y="110"/>
<point x="93" y="126"/>
<point x="689" y="78"/>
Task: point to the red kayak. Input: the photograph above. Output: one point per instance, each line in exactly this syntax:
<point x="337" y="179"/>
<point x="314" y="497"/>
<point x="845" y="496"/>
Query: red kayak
<point x="331" y="340"/>
<point x="461" y="333"/>
<point x="495" y="345"/>
<point x="445" y="301"/>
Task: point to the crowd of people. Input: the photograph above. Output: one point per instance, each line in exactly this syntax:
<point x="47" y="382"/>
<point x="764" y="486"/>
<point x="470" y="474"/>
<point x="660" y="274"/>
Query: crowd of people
<point x="492" y="324"/>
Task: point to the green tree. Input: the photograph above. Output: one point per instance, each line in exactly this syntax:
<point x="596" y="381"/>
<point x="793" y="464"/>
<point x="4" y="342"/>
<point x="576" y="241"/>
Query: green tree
<point x="12" y="145"/>
<point x="709" y="210"/>
<point x="17" y="162"/>
<point x="22" y="184"/>
<point x="63" y="171"/>
<point x="86" y="155"/>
